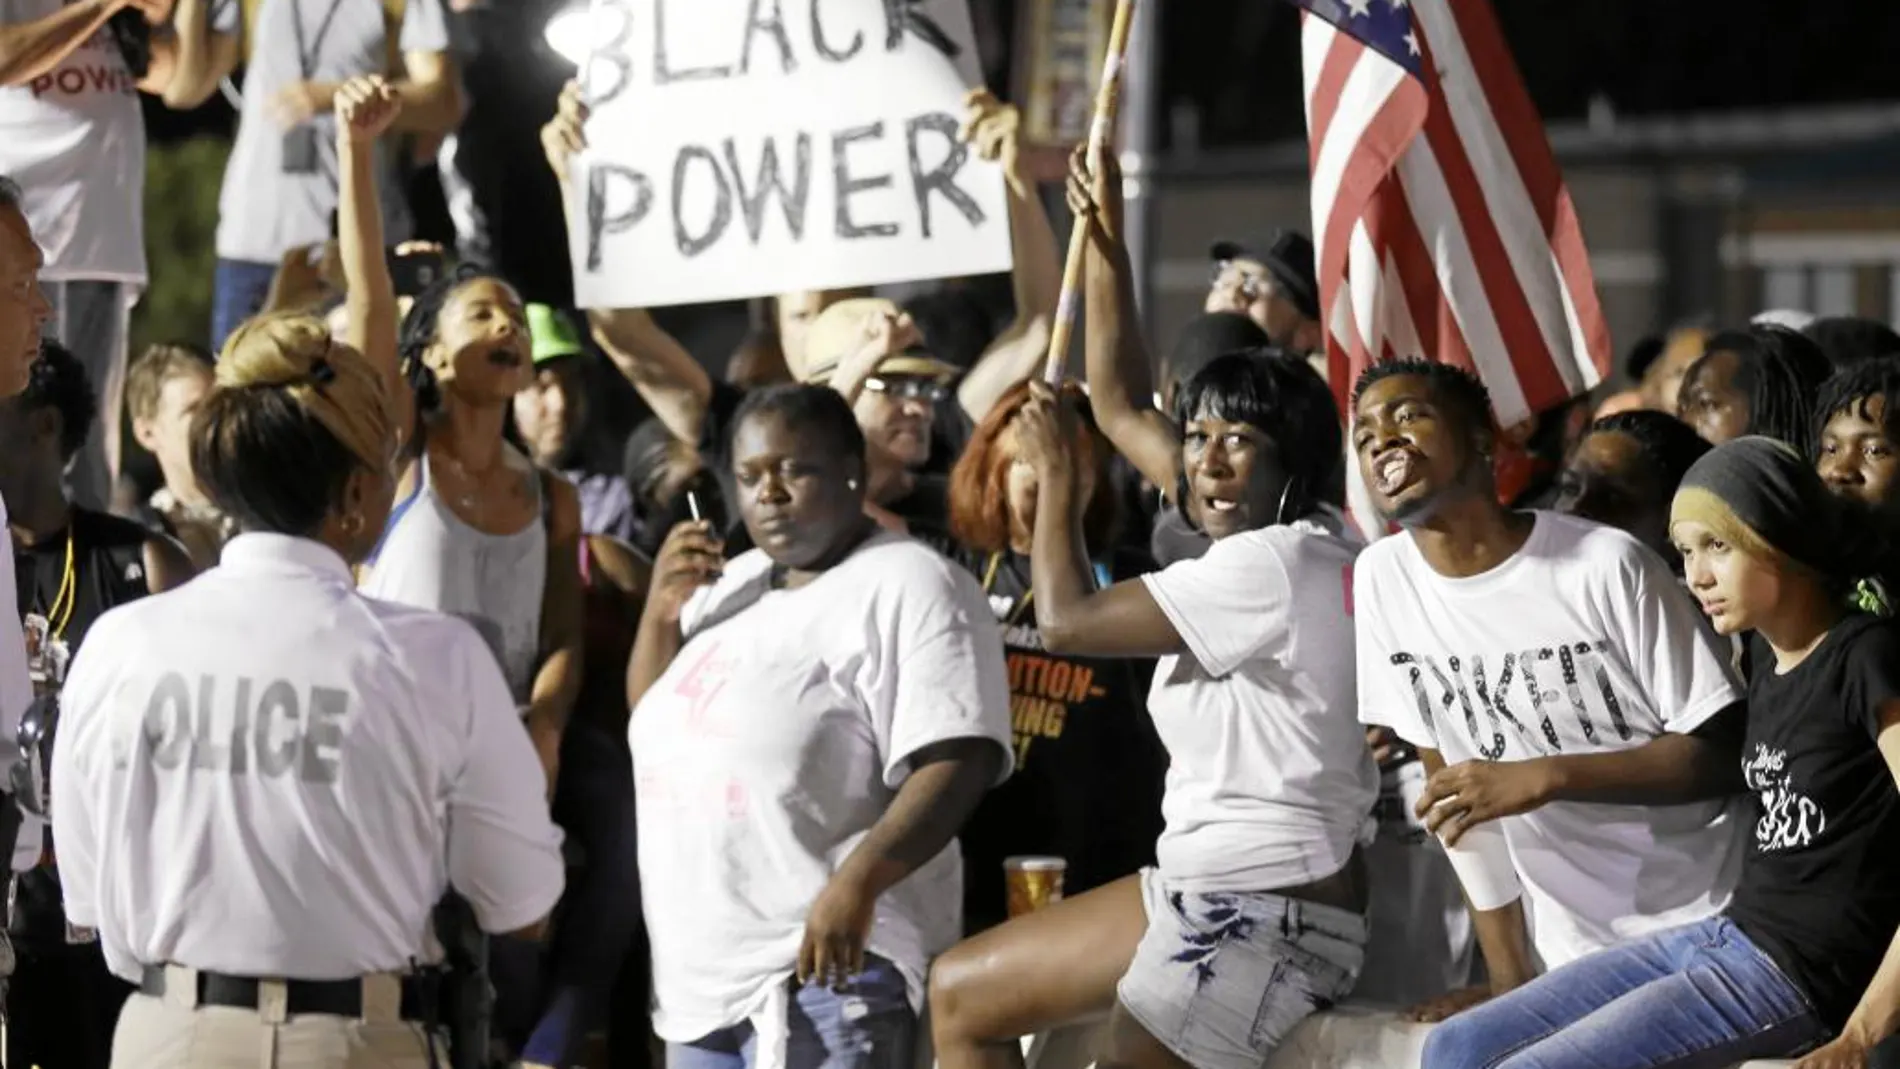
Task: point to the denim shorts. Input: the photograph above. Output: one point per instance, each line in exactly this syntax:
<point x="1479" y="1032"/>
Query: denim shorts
<point x="1221" y="978"/>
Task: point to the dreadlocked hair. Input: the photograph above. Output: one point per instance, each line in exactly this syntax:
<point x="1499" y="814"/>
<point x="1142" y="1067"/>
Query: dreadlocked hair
<point x="418" y="332"/>
<point x="1779" y="370"/>
<point x="1853" y="389"/>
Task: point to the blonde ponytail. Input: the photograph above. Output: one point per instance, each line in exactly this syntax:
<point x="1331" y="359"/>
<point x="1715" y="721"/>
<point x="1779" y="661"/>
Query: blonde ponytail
<point x="294" y="352"/>
<point x="291" y="418"/>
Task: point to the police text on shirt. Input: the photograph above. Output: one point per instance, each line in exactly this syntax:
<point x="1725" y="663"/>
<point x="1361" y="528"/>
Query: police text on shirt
<point x="244" y="727"/>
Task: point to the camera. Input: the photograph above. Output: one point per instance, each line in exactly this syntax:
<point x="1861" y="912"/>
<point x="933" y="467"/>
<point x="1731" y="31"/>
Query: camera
<point x="133" y="35"/>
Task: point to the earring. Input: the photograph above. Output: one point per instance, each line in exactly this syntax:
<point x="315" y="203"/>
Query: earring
<point x="1286" y="492"/>
<point x="851" y="484"/>
<point x="353" y="524"/>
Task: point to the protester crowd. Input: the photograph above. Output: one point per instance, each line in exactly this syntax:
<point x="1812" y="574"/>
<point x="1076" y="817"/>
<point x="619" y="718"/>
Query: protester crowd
<point x="873" y="674"/>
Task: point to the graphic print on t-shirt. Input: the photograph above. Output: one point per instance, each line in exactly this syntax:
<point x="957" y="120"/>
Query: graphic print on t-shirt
<point x="1518" y="690"/>
<point x="1043" y="690"/>
<point x="1790" y="819"/>
<point x="699" y="685"/>
<point x="94" y="67"/>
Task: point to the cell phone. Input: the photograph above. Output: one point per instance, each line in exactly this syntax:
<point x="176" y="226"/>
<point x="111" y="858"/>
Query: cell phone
<point x="300" y="150"/>
<point x="417" y="270"/>
<point x="704" y="503"/>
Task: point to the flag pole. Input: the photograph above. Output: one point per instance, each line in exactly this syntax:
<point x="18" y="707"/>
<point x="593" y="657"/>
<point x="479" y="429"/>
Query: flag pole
<point x="1101" y="134"/>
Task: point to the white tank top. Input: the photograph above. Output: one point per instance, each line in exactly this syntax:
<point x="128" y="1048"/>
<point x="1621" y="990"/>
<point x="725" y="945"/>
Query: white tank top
<point x="430" y="558"/>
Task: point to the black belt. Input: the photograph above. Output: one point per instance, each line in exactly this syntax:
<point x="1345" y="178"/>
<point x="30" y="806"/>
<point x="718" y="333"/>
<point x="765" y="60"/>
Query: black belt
<point x="333" y="998"/>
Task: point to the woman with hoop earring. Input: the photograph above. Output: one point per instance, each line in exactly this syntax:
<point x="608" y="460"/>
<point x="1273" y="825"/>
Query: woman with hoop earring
<point x="1255" y="915"/>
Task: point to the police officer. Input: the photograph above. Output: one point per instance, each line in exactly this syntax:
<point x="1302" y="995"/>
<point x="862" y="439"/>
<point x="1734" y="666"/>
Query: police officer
<point x="264" y="780"/>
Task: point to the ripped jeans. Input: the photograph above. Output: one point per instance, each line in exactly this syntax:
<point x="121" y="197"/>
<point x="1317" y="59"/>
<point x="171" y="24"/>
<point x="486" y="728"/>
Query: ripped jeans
<point x="870" y="1026"/>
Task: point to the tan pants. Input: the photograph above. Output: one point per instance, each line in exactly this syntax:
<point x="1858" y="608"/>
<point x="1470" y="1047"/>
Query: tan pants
<point x="173" y="1032"/>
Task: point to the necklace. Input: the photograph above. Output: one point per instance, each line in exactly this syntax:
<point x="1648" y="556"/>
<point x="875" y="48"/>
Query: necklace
<point x="467" y="497"/>
<point x="989" y="581"/>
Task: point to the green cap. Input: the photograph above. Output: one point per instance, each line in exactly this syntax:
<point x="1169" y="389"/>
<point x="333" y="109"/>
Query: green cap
<point x="553" y="333"/>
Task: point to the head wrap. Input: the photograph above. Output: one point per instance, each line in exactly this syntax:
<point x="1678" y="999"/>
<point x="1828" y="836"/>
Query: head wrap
<point x="1773" y="491"/>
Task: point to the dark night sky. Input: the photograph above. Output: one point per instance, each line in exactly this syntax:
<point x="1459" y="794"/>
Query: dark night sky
<point x="1239" y="59"/>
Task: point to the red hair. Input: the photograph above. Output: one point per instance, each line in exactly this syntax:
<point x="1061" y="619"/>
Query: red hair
<point x="979" y="484"/>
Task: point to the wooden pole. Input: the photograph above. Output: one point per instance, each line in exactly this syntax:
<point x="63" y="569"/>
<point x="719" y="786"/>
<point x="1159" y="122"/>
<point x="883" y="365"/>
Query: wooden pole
<point x="1101" y="134"/>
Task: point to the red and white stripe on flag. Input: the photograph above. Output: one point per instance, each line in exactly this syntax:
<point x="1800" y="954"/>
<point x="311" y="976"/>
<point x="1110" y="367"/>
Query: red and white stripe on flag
<point x="1442" y="223"/>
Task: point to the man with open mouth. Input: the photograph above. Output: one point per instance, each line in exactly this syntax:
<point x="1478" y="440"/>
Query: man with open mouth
<point x="1579" y="725"/>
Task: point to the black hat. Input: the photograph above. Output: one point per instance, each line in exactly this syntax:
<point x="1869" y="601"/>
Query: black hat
<point x="1288" y="256"/>
<point x="1209" y="336"/>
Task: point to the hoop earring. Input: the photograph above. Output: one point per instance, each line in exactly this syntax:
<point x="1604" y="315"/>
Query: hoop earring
<point x="352" y="524"/>
<point x="1286" y="493"/>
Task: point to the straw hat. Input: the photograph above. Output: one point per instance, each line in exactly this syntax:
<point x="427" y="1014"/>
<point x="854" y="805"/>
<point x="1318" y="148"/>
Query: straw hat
<point x="843" y="328"/>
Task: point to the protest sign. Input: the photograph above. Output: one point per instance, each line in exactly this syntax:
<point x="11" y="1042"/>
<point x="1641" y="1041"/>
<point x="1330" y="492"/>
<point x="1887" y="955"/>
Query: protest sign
<point x="739" y="148"/>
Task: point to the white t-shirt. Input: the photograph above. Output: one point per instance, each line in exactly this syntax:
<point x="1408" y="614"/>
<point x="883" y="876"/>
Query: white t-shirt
<point x="265" y="773"/>
<point x="75" y="141"/>
<point x="1269" y="780"/>
<point x="263" y="212"/>
<point x="770" y="747"/>
<point x="1580" y="643"/>
<point x="16" y="694"/>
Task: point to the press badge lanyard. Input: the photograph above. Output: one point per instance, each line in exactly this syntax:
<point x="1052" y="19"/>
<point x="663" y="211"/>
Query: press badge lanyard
<point x="307" y="58"/>
<point x="67" y="596"/>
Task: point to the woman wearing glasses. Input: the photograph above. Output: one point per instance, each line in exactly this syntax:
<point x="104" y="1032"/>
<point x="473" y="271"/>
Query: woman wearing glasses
<point x="872" y="354"/>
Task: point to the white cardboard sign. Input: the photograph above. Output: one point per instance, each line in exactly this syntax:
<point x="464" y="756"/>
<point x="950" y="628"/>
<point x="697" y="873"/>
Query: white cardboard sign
<point x="739" y="148"/>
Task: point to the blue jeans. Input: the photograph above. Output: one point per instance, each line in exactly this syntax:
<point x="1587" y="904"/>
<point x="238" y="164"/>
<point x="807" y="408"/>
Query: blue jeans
<point x="870" y="1026"/>
<point x="1697" y="997"/>
<point x="238" y="290"/>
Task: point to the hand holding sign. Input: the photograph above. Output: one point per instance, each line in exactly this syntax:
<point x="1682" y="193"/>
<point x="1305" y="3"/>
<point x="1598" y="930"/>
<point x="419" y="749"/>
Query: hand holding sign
<point x="565" y="135"/>
<point x="734" y="151"/>
<point x="366" y="108"/>
<point x="991" y="127"/>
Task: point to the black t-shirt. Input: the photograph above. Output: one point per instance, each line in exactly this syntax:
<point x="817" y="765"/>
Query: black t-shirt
<point x="926" y="508"/>
<point x="1820" y="887"/>
<point x="108" y="571"/>
<point x="1089" y="767"/>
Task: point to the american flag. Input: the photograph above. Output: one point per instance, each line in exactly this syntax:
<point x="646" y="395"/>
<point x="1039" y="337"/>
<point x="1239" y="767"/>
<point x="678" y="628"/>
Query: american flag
<point x="1442" y="224"/>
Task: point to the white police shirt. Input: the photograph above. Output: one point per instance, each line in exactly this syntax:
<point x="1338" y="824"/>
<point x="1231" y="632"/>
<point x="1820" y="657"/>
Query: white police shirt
<point x="265" y="773"/>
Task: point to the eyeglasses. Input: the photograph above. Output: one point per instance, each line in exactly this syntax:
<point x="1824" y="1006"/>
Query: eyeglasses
<point x="908" y="389"/>
<point x="1250" y="285"/>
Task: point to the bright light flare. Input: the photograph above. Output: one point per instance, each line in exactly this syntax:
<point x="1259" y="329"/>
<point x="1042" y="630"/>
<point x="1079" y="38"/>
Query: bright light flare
<point x="575" y="32"/>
